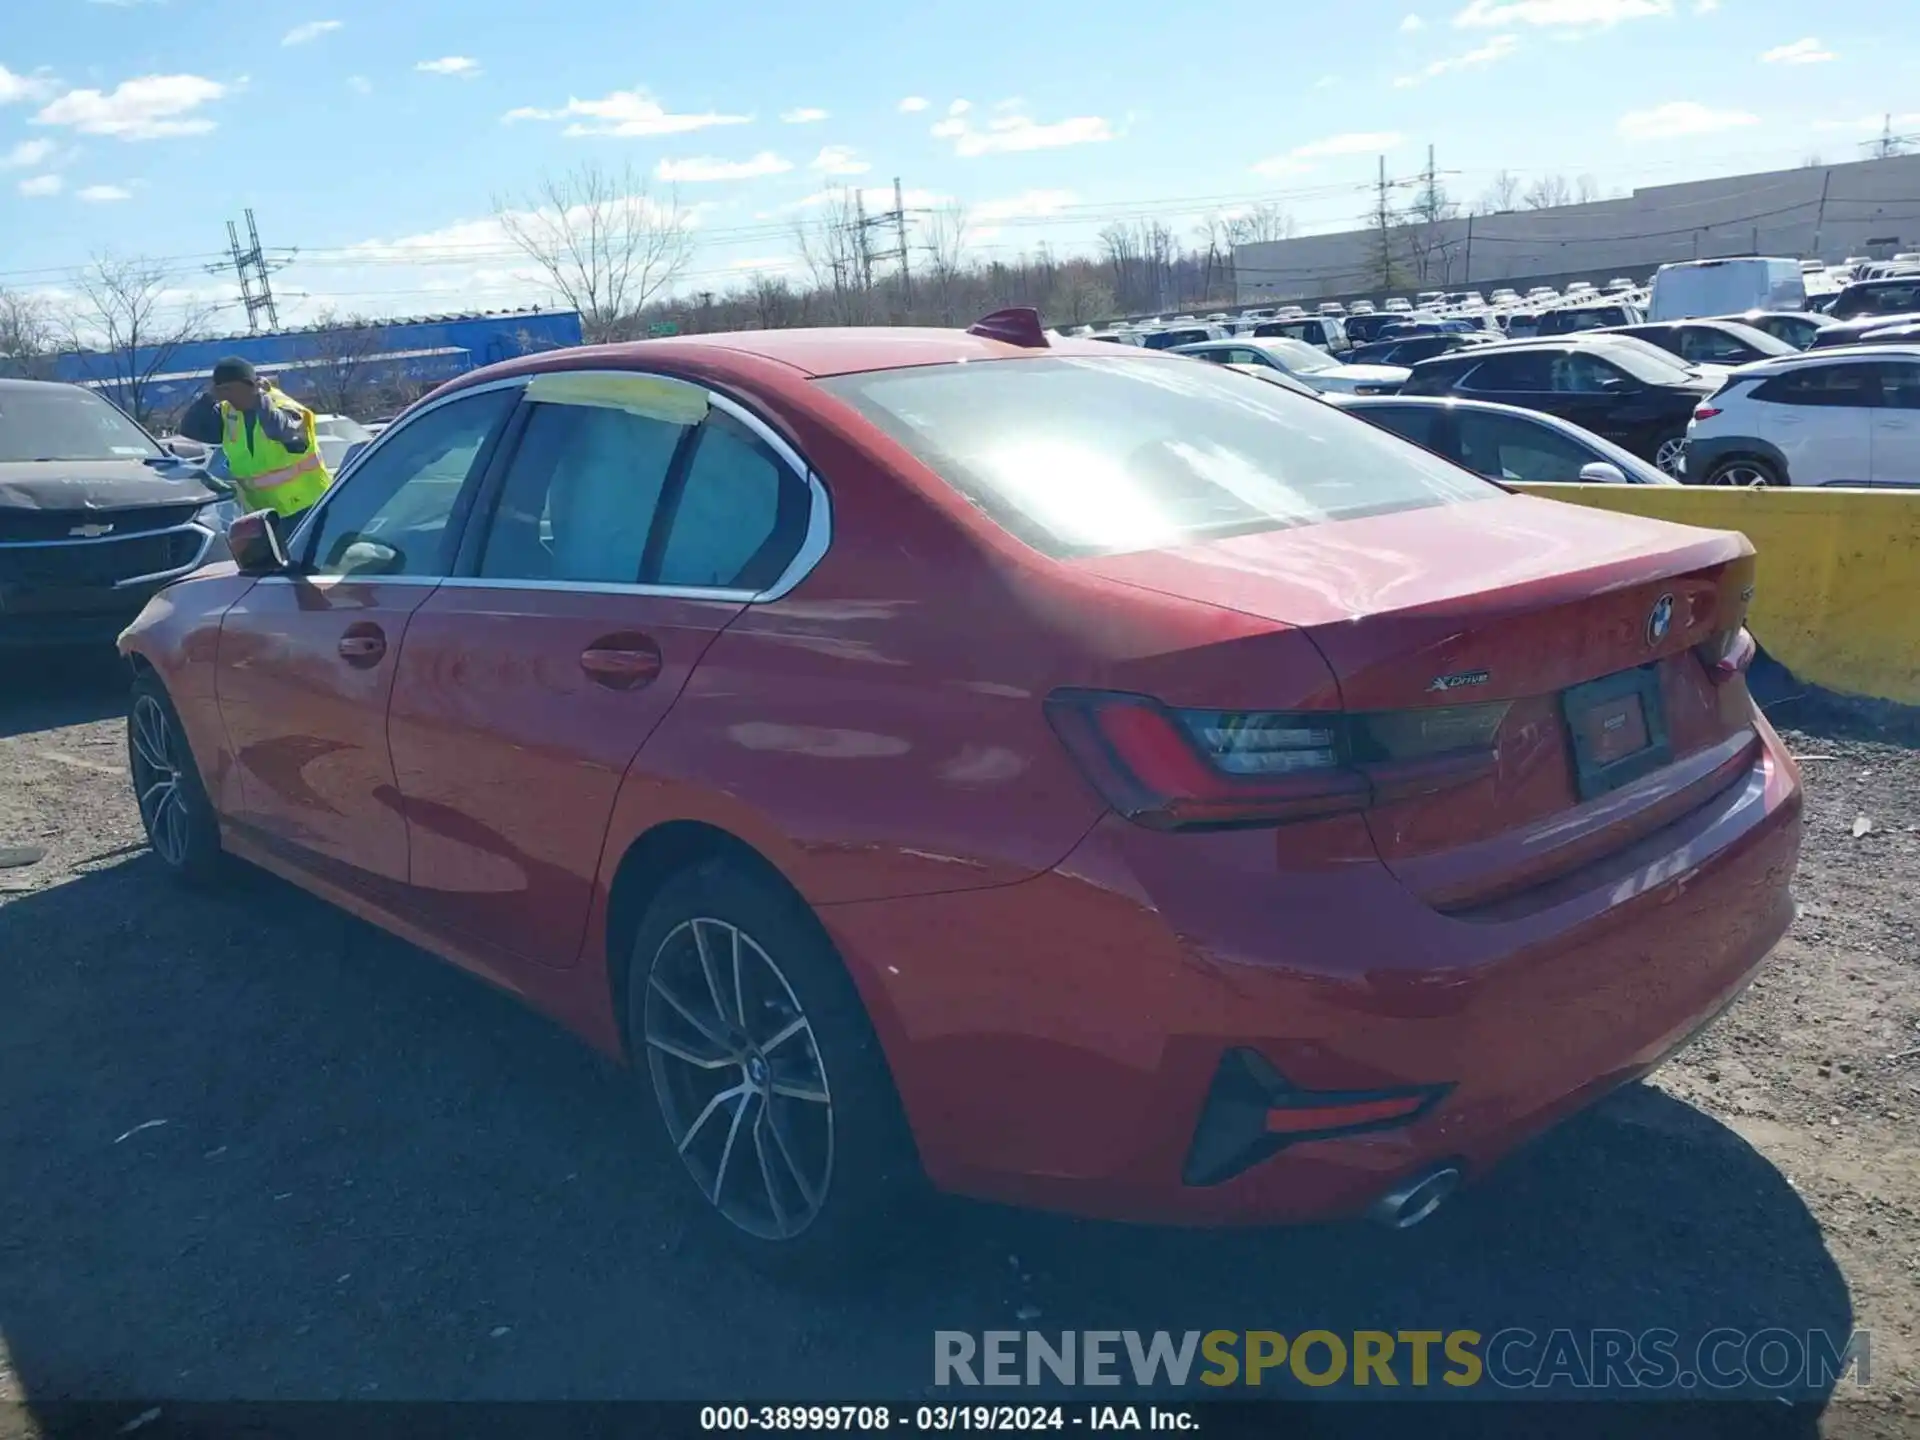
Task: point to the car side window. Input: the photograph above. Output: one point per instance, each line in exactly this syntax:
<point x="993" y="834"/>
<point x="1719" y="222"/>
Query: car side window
<point x="1512" y="373"/>
<point x="1506" y="447"/>
<point x="1411" y="422"/>
<point x="580" y="496"/>
<point x="391" y="513"/>
<point x="1711" y="347"/>
<point x="1843" y="386"/>
<point x="1580" y="373"/>
<point x="739" y="517"/>
<point x="1900" y="382"/>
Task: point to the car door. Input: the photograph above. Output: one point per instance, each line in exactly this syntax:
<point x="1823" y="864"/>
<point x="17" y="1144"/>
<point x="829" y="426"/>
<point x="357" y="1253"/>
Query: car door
<point x="306" y="661"/>
<point x="1599" y="397"/>
<point x="1820" y="418"/>
<point x="1513" y="447"/>
<point x="625" y="524"/>
<point x="1896" y="424"/>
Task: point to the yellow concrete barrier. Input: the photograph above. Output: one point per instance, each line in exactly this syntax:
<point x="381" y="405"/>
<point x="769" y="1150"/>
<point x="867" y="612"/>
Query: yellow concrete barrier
<point x="1837" y="595"/>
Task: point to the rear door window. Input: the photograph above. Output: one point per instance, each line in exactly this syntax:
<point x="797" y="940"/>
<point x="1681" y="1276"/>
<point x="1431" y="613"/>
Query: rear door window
<point x="1418" y="423"/>
<point x="1529" y="373"/>
<point x="739" y="517"/>
<point x="1080" y="456"/>
<point x="1834" y="386"/>
<point x="1507" y="447"/>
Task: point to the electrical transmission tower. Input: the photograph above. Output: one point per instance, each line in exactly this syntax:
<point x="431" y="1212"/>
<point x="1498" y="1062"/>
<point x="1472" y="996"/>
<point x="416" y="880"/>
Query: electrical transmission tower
<point x="894" y="220"/>
<point x="1888" y="145"/>
<point x="250" y="266"/>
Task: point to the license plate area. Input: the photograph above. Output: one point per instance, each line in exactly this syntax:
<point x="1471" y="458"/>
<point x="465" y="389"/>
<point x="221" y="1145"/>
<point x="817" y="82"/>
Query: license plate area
<point x="1618" y="730"/>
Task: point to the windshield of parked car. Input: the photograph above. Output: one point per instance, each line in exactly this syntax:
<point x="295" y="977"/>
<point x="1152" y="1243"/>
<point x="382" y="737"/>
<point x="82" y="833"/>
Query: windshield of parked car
<point x="1298" y="355"/>
<point x="1082" y="456"/>
<point x="64" y="422"/>
<point x="1646" y="361"/>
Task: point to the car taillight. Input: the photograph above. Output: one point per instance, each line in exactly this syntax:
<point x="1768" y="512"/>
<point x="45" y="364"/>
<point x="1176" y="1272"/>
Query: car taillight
<point x="1727" y="653"/>
<point x="1185" y="769"/>
<point x="1705" y="411"/>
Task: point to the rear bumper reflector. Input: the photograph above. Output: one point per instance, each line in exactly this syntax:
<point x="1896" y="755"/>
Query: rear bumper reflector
<point x="1252" y="1112"/>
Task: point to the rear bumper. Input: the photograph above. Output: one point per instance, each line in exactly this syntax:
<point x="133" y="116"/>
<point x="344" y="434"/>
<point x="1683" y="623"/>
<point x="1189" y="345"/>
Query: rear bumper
<point x="1055" y="1041"/>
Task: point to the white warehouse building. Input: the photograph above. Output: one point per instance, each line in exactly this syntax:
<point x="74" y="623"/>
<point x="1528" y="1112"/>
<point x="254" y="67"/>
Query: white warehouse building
<point x="1830" y="212"/>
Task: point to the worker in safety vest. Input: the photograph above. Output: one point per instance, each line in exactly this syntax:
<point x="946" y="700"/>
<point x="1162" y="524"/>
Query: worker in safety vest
<point x="268" y="439"/>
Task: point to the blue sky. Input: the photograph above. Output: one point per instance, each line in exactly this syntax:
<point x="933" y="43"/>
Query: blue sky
<point x="371" y="136"/>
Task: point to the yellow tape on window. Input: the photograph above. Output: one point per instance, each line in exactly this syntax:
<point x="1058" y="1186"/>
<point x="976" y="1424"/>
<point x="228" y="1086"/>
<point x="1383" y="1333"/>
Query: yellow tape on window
<point x="654" y="396"/>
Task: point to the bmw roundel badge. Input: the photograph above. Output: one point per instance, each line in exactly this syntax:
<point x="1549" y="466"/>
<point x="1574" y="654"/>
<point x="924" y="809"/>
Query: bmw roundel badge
<point x="1660" y="620"/>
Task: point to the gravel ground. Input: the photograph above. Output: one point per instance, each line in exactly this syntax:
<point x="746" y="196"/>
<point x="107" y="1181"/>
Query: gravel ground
<point x="253" y="1148"/>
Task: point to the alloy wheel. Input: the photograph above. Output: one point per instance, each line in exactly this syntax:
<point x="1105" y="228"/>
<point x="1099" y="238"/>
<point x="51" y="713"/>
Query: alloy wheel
<point x="740" y="1080"/>
<point x="158" y="784"/>
<point x="1667" y="457"/>
<point x="1748" y="477"/>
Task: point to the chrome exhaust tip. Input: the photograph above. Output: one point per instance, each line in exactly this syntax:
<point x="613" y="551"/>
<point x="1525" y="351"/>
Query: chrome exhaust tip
<point x="1412" y="1201"/>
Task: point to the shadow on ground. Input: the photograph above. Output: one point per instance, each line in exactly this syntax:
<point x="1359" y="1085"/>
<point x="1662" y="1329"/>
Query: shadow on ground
<point x="46" y="690"/>
<point x="256" y="1148"/>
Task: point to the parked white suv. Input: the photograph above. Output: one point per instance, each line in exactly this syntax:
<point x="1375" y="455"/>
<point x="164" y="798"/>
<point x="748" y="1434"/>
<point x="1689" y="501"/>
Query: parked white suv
<point x="1826" y="417"/>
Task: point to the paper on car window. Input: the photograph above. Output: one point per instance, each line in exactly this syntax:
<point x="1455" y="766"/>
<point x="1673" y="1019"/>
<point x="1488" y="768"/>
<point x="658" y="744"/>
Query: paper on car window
<point x="654" y="396"/>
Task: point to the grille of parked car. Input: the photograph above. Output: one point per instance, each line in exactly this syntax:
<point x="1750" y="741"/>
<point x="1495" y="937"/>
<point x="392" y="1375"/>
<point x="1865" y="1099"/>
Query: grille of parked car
<point x="80" y="564"/>
<point x="18" y="527"/>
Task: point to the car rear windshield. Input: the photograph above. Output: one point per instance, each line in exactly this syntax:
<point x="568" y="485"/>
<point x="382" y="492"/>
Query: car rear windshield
<point x="1081" y="456"/>
<point x="62" y="422"/>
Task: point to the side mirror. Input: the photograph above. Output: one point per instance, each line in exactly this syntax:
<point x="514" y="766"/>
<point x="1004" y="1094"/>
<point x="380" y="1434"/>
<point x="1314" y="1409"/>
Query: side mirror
<point x="1602" y="472"/>
<point x="183" y="449"/>
<point x="256" y="545"/>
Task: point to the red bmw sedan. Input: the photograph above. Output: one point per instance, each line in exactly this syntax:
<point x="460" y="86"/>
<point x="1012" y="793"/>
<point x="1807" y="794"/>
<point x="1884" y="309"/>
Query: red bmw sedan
<point x="1086" y="777"/>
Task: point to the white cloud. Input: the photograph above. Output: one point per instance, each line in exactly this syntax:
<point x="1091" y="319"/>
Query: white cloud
<point x="1500" y="14"/>
<point x="1705" y="7"/>
<point x="1494" y="51"/>
<point x="1326" y="82"/>
<point x="152" y="107"/>
<point x="1027" y="203"/>
<point x="704" y="168"/>
<point x="624" y="113"/>
<point x="805" y="115"/>
<point x="1299" y="160"/>
<point x="465" y="66"/>
<point x="15" y="88"/>
<point x="1012" y="132"/>
<point x="838" y="160"/>
<point x="1678" y="118"/>
<point x="1357" y="142"/>
<point x="875" y="197"/>
<point x="42" y="185"/>
<point x="1411" y="24"/>
<point x="26" y="153"/>
<point x="359" y="84"/>
<point x="912" y="104"/>
<point x="104" y="194"/>
<point x="1801" y="52"/>
<point x="312" y="30"/>
<point x="959" y="107"/>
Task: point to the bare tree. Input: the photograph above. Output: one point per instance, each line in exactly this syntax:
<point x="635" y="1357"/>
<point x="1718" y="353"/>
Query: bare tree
<point x="26" y="336"/>
<point x="604" y="243"/>
<point x="341" y="370"/>
<point x="832" y="250"/>
<point x="1258" y="225"/>
<point x="1079" y="300"/>
<point x="1431" y="241"/>
<point x="1811" y="162"/>
<point x="1502" y="195"/>
<point x="1547" y="192"/>
<point x="128" y="325"/>
<point x="1586" y="190"/>
<point x="944" y="236"/>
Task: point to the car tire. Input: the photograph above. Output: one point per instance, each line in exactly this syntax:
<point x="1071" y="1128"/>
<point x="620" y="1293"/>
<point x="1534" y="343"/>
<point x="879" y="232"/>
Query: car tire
<point x="175" y="810"/>
<point x="1667" y="451"/>
<point x="736" y="991"/>
<point x="1743" y="472"/>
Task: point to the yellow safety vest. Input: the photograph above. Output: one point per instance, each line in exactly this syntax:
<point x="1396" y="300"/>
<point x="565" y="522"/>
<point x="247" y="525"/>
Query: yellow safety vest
<point x="267" y="475"/>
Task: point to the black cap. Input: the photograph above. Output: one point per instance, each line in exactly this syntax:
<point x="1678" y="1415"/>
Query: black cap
<point x="234" y="371"/>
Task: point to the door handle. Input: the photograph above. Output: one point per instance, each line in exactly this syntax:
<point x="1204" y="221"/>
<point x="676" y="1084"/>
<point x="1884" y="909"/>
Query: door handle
<point x="622" y="662"/>
<point x="363" y="645"/>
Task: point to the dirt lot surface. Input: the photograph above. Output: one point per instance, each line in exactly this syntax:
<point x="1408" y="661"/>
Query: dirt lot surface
<point x="252" y="1148"/>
